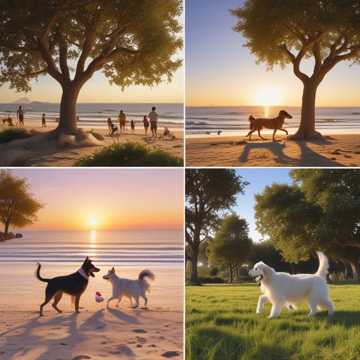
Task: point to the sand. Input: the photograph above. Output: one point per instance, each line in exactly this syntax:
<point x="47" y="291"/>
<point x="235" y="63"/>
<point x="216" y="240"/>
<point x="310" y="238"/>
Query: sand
<point x="39" y="151"/>
<point x="234" y="151"/>
<point x="95" y="333"/>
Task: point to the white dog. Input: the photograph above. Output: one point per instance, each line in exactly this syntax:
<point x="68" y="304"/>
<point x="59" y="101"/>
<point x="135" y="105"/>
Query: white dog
<point x="132" y="289"/>
<point x="283" y="289"/>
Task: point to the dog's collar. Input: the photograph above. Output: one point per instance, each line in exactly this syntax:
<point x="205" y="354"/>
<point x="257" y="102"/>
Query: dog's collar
<point x="83" y="274"/>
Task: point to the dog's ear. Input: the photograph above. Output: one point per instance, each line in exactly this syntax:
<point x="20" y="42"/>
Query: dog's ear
<point x="268" y="271"/>
<point x="113" y="270"/>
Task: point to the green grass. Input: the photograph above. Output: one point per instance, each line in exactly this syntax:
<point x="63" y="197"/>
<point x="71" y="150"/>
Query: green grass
<point x="221" y="324"/>
<point x="11" y="134"/>
<point x="130" y="154"/>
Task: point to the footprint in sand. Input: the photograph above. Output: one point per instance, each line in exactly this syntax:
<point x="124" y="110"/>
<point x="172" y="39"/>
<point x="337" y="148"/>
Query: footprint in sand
<point x="123" y="350"/>
<point x="141" y="340"/>
<point x="170" y="354"/>
<point x="81" y="357"/>
<point x="140" y="331"/>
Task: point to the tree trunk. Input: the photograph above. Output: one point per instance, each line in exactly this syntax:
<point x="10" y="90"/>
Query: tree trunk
<point x="6" y="227"/>
<point x="68" y="121"/>
<point x="355" y="270"/>
<point x="307" y="123"/>
<point x="194" y="266"/>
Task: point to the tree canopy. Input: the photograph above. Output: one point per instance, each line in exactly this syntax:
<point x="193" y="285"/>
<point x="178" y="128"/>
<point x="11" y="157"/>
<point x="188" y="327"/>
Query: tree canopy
<point x="17" y="206"/>
<point x="208" y="194"/>
<point x="133" y="42"/>
<point x="289" y="32"/>
<point x="320" y="211"/>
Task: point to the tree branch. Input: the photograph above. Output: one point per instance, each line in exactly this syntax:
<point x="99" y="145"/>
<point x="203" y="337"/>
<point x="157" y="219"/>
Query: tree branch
<point x="63" y="53"/>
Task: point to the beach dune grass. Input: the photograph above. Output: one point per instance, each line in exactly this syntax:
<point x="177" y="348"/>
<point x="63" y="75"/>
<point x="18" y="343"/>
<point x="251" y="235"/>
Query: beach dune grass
<point x="221" y="324"/>
<point x="11" y="134"/>
<point x="130" y="154"/>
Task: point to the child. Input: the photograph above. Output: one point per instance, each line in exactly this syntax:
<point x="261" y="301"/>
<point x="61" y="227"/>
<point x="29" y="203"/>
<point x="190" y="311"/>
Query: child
<point x="112" y="128"/>
<point x="43" y="120"/>
<point x="146" y="124"/>
<point x="132" y="124"/>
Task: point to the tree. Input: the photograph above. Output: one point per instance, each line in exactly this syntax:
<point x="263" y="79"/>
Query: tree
<point x="17" y="206"/>
<point x="209" y="193"/>
<point x="321" y="210"/>
<point x="289" y="32"/>
<point x="231" y="245"/>
<point x="133" y="42"/>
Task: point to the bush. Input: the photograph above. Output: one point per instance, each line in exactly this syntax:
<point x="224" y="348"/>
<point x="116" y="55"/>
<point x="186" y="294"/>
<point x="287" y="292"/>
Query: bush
<point x="211" y="280"/>
<point x="129" y="154"/>
<point x="13" y="134"/>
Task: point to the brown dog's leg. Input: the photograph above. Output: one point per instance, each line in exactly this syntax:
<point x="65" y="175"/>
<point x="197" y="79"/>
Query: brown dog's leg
<point x="56" y="301"/>
<point x="77" y="302"/>
<point x="260" y="135"/>
<point x="285" y="131"/>
<point x="249" y="134"/>
<point x="274" y="133"/>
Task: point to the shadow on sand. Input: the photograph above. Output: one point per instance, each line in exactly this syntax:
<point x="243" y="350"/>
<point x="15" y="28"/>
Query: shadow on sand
<point x="308" y="157"/>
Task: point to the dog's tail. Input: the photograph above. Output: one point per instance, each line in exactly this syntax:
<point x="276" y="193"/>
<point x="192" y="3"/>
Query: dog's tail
<point x="323" y="269"/>
<point x="146" y="273"/>
<point x="37" y="273"/>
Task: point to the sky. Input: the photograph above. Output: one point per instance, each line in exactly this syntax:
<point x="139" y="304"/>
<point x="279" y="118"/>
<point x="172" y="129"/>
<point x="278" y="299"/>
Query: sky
<point x="220" y="71"/>
<point x="89" y="199"/>
<point x="258" y="179"/>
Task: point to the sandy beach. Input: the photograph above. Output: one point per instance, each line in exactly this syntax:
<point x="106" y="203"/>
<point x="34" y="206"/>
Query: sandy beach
<point x="332" y="151"/>
<point x="36" y="151"/>
<point x="95" y="333"/>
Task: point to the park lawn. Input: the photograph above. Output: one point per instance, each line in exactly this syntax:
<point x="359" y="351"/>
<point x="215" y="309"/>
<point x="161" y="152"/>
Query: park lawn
<point x="221" y="324"/>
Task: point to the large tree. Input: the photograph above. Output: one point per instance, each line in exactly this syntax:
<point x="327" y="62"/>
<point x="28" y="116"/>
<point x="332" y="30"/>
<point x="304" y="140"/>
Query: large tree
<point x="209" y="194"/>
<point x="133" y="42"/>
<point x="18" y="207"/>
<point x="290" y="32"/>
<point x="321" y="210"/>
<point x="231" y="245"/>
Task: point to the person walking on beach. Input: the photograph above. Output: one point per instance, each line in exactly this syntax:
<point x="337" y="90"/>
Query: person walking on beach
<point x="153" y="116"/>
<point x="43" y="120"/>
<point x="20" y="116"/>
<point x="122" y="121"/>
<point x="146" y="125"/>
<point x="132" y="124"/>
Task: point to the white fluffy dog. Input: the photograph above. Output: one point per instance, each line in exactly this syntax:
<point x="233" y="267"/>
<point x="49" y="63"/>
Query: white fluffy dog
<point x="283" y="289"/>
<point x="132" y="289"/>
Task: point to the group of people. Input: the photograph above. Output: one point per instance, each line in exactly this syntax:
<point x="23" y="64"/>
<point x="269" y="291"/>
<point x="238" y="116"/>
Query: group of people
<point x="20" y="117"/>
<point x="149" y="121"/>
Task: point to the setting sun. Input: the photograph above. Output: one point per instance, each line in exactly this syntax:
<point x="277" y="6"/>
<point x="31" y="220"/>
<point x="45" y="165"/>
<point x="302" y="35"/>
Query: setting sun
<point x="268" y="97"/>
<point x="93" y="221"/>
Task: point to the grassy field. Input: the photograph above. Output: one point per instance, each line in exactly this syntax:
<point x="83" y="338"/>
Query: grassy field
<point x="222" y="325"/>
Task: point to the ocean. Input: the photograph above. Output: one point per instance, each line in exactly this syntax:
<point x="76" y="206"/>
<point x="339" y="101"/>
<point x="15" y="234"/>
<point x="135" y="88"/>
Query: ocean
<point x="95" y="115"/>
<point x="202" y="120"/>
<point x="162" y="248"/>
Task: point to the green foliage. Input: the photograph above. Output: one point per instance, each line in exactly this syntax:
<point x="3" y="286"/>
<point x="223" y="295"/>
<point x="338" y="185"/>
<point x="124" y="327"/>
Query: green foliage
<point x="13" y="134"/>
<point x="271" y="25"/>
<point x="130" y="154"/>
<point x="231" y="243"/>
<point x="134" y="42"/>
<point x="17" y="206"/>
<point x="321" y="210"/>
<point x="221" y="324"/>
<point x="209" y="194"/>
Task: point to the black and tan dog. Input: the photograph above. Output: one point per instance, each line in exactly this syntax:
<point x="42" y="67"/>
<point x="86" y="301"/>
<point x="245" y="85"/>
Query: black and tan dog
<point x="74" y="285"/>
<point x="273" y="123"/>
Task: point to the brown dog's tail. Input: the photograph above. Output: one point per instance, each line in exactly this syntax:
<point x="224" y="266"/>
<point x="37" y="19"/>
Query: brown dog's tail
<point x="37" y="273"/>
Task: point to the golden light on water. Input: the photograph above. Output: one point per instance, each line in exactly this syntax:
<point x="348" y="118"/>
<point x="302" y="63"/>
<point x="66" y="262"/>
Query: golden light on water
<point x="93" y="238"/>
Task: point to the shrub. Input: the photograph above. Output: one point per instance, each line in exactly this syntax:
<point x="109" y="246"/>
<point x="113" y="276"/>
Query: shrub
<point x="129" y="154"/>
<point x="11" y="134"/>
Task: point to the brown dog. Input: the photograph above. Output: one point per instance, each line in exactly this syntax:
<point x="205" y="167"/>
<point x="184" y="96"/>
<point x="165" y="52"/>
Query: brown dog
<point x="274" y="123"/>
<point x="8" y="121"/>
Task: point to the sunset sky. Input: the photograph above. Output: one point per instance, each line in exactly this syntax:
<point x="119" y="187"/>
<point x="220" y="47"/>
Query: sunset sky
<point x="108" y="199"/>
<point x="221" y="72"/>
